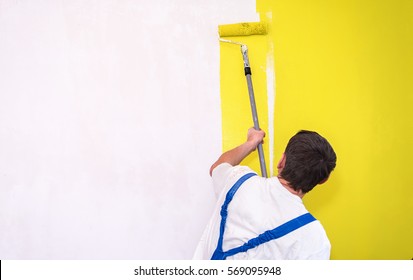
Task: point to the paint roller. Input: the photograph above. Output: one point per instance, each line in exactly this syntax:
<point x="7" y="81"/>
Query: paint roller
<point x="247" y="29"/>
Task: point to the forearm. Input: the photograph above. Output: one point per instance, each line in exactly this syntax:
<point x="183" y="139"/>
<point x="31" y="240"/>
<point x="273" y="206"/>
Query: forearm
<point x="236" y="155"/>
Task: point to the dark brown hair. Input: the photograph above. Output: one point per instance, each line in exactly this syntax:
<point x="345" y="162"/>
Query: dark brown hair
<point x="309" y="160"/>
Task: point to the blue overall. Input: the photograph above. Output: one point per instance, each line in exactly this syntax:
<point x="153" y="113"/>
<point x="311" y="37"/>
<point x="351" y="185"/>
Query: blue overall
<point x="269" y="235"/>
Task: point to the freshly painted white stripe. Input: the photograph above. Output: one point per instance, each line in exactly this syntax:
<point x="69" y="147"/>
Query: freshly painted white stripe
<point x="270" y="71"/>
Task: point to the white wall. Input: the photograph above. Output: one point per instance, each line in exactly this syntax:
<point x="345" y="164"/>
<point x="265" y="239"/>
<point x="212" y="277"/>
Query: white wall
<point x="109" y="121"/>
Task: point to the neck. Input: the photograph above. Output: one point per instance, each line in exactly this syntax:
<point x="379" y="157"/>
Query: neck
<point x="287" y="185"/>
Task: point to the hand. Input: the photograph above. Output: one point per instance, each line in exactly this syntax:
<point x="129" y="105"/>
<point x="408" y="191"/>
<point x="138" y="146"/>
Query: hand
<point x="255" y="137"/>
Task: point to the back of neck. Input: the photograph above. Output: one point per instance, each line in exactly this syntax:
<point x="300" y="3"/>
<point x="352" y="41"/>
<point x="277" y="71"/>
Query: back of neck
<point x="287" y="185"/>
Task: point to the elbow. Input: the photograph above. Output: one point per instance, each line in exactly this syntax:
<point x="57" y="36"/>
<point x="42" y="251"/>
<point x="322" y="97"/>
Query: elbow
<point x="212" y="169"/>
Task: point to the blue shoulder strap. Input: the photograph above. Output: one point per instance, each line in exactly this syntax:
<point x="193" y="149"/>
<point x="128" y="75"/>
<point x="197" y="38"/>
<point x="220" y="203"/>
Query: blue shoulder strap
<point x="218" y="254"/>
<point x="269" y="235"/>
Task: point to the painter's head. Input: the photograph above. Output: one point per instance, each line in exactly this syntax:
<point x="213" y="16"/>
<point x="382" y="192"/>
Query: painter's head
<point x="307" y="161"/>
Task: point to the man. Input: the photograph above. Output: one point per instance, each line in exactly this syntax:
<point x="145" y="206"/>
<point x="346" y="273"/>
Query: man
<point x="265" y="218"/>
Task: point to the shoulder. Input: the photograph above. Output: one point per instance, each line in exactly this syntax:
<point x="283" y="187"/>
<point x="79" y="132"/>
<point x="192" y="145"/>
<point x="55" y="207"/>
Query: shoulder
<point x="317" y="245"/>
<point x="225" y="175"/>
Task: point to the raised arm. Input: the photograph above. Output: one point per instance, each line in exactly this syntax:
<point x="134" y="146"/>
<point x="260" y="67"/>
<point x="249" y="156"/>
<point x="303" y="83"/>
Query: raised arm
<point x="237" y="154"/>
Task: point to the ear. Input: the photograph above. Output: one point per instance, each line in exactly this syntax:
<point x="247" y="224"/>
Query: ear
<point x="323" y="181"/>
<point x="281" y="163"/>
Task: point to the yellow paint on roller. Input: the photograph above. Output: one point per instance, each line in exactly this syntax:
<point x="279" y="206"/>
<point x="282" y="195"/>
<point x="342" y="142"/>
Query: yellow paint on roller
<point x="243" y="29"/>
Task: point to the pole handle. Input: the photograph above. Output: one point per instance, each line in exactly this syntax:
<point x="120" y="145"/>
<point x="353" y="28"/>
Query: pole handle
<point x="247" y="70"/>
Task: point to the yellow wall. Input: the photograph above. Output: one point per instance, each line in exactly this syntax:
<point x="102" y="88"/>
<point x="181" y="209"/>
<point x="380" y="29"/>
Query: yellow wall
<point x="345" y="69"/>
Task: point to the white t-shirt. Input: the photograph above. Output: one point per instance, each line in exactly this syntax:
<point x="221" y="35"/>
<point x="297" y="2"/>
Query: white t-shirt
<point x="260" y="204"/>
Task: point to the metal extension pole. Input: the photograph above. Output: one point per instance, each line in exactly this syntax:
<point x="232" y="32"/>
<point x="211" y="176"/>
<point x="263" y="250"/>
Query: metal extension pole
<point x="247" y="70"/>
